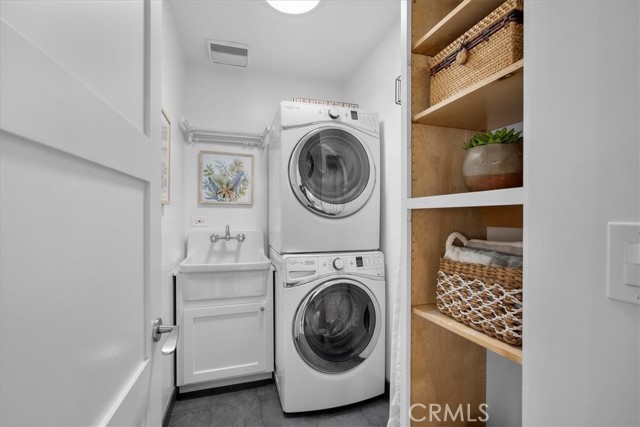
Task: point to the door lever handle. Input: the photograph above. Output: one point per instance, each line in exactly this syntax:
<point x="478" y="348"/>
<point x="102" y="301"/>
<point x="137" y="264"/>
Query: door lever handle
<point x="172" y="340"/>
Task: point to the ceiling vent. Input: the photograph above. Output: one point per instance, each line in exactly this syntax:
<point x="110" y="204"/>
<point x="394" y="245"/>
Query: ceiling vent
<point x="229" y="53"/>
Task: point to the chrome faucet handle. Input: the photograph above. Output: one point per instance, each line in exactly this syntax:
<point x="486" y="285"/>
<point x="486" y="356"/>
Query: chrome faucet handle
<point x="214" y="238"/>
<point x="240" y="237"/>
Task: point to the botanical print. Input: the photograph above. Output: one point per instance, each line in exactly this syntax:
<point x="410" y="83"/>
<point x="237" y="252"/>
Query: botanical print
<point x="226" y="178"/>
<point x="165" y="158"/>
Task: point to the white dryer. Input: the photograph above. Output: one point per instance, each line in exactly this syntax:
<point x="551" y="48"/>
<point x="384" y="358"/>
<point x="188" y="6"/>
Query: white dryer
<point x="324" y="179"/>
<point x="330" y="335"/>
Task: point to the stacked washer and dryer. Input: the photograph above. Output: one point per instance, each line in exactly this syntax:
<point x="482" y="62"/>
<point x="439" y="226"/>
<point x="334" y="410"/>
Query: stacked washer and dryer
<point x="324" y="222"/>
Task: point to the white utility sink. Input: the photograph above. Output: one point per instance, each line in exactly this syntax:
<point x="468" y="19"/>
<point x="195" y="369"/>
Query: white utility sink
<point x="224" y="307"/>
<point x="224" y="269"/>
<point x="206" y="256"/>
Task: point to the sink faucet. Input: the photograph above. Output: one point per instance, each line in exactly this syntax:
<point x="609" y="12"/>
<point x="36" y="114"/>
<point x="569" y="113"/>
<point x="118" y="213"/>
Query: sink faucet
<point x="227" y="236"/>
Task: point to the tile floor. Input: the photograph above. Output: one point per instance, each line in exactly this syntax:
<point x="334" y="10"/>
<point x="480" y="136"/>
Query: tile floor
<point x="260" y="406"/>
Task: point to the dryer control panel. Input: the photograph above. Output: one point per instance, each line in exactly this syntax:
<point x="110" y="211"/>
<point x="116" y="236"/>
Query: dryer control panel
<point x="296" y="114"/>
<point x="305" y="267"/>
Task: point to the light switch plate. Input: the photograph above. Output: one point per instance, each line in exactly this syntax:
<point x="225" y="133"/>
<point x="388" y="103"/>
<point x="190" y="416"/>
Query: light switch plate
<point x="198" y="221"/>
<point x="623" y="262"/>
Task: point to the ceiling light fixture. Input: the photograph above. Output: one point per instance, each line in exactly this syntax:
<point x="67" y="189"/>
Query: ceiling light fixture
<point x="294" y="7"/>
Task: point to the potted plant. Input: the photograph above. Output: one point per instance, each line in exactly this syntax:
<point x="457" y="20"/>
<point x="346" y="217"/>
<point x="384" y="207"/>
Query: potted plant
<point x="493" y="160"/>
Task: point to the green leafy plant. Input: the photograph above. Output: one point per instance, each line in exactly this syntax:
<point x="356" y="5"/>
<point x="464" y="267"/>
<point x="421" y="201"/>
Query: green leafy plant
<point x="502" y="136"/>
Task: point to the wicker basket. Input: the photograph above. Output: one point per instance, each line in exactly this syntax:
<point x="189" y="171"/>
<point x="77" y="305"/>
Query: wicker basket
<point x="488" y="299"/>
<point x="490" y="46"/>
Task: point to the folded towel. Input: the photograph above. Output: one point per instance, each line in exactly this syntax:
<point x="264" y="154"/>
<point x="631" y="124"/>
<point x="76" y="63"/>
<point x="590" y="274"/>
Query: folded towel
<point x="511" y="248"/>
<point x="489" y="258"/>
<point x="484" y="257"/>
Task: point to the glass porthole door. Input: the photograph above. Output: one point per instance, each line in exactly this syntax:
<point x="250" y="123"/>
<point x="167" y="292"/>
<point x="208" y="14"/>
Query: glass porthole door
<point x="337" y="326"/>
<point x="332" y="172"/>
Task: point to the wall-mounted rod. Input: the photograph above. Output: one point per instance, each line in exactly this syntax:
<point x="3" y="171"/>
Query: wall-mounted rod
<point x="194" y="135"/>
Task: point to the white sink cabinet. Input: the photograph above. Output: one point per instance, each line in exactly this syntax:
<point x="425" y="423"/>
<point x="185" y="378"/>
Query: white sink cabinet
<point x="224" y="306"/>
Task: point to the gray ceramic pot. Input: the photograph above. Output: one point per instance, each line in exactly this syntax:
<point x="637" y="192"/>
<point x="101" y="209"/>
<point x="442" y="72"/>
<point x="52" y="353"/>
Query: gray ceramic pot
<point x="493" y="166"/>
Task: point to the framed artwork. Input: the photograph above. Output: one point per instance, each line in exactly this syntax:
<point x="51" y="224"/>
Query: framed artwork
<point x="225" y="178"/>
<point x="165" y="159"/>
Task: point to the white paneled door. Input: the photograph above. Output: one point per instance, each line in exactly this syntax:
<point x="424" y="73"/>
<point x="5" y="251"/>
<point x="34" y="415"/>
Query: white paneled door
<point x="79" y="212"/>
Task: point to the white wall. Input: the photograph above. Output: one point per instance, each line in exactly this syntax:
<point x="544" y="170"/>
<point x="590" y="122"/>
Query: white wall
<point x="173" y="234"/>
<point x="372" y="86"/>
<point x="582" y="93"/>
<point x="229" y="98"/>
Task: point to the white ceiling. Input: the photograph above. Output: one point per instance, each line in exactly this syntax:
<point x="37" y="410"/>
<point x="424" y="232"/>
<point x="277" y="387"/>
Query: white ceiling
<point x="327" y="43"/>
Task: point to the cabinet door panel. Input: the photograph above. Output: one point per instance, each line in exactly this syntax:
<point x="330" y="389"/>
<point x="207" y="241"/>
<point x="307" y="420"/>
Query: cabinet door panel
<point x="223" y="342"/>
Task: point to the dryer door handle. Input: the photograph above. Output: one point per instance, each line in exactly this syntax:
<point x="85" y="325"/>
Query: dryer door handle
<point x="319" y="205"/>
<point x="366" y="319"/>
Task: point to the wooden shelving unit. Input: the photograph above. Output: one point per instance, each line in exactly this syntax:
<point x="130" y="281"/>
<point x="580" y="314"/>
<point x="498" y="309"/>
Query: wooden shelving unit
<point x="489" y="104"/>
<point x="459" y="20"/>
<point x="448" y="359"/>
<point x="432" y="314"/>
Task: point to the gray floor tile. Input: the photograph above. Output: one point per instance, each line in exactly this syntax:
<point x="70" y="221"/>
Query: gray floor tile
<point x="189" y="405"/>
<point x="260" y="407"/>
<point x="301" y="421"/>
<point x="376" y="411"/>
<point x="238" y="408"/>
<point x="199" y="418"/>
<point x="350" y="416"/>
<point x="267" y="390"/>
<point x="271" y="410"/>
<point x="354" y="418"/>
<point x="272" y="415"/>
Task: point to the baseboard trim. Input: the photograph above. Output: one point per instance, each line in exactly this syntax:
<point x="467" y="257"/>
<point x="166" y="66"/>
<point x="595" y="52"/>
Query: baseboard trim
<point x="223" y="389"/>
<point x="166" y="418"/>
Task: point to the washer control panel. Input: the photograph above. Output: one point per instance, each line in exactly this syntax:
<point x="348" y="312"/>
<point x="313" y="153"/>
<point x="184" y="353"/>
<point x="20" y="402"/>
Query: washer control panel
<point x="307" y="267"/>
<point x="359" y="118"/>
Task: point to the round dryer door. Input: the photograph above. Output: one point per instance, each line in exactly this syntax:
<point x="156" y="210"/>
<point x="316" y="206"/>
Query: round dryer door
<point x="337" y="326"/>
<point x="332" y="172"/>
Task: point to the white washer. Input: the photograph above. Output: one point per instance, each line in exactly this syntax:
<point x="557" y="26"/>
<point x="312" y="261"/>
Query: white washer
<point x="324" y="179"/>
<point x="330" y="335"/>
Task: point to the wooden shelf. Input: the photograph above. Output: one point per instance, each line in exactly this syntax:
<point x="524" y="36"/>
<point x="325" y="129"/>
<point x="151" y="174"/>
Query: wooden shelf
<point x="509" y="196"/>
<point x="431" y="313"/>
<point x="489" y="104"/>
<point x="457" y="22"/>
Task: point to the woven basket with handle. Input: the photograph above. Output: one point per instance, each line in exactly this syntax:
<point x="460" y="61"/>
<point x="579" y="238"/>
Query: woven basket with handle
<point x="490" y="46"/>
<point x="488" y="299"/>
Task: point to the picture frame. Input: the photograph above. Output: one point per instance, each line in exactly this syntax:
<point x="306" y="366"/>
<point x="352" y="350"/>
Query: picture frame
<point x="225" y="178"/>
<point x="165" y="158"/>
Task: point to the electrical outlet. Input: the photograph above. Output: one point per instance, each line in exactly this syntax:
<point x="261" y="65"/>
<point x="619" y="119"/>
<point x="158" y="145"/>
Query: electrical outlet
<point x="198" y="221"/>
<point x="624" y="262"/>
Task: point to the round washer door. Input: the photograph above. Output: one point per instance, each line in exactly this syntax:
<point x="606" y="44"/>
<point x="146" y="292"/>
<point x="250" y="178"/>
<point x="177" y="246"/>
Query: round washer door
<point x="332" y="172"/>
<point x="337" y="326"/>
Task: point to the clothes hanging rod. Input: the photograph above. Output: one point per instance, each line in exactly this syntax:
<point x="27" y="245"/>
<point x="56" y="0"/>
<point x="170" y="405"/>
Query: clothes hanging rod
<point x="194" y="134"/>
